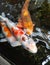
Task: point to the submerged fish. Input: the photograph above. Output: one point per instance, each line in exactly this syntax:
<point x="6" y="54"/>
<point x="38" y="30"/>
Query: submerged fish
<point x="17" y="36"/>
<point x="25" y="20"/>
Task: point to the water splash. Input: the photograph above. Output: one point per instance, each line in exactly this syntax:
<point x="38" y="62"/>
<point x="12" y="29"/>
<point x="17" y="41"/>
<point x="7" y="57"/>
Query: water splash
<point x="46" y="61"/>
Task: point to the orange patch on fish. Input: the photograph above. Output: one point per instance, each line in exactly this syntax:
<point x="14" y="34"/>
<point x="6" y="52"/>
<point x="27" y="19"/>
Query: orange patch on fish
<point x="5" y="28"/>
<point x="25" y="13"/>
<point x="17" y="32"/>
<point x="14" y="31"/>
<point x="28" y="32"/>
<point x="9" y="34"/>
<point x="7" y="31"/>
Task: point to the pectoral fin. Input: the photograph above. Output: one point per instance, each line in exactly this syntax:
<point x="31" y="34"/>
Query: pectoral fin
<point x="17" y="43"/>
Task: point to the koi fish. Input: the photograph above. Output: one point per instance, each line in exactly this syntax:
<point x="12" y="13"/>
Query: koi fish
<point x="25" y="20"/>
<point x="16" y="36"/>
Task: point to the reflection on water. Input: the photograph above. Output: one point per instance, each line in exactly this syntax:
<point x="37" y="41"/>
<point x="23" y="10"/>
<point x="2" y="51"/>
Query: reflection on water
<point x="48" y="59"/>
<point x="18" y="55"/>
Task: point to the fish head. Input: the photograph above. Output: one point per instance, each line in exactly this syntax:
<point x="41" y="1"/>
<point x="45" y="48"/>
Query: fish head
<point x="32" y="46"/>
<point x="29" y="44"/>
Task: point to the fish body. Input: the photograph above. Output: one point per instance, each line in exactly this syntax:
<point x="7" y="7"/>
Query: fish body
<point x="25" y="20"/>
<point x="17" y="36"/>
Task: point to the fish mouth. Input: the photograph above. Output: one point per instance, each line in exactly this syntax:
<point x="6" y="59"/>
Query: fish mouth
<point x="33" y="49"/>
<point x="32" y="46"/>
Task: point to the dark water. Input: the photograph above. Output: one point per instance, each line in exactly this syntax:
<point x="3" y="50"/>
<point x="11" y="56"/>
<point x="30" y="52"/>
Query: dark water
<point x="18" y="55"/>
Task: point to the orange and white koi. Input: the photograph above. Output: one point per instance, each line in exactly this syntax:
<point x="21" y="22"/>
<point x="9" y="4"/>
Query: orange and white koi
<point x="27" y="42"/>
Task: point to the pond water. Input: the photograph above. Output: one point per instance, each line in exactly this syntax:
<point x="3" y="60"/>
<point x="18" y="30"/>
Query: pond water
<point x="18" y="55"/>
